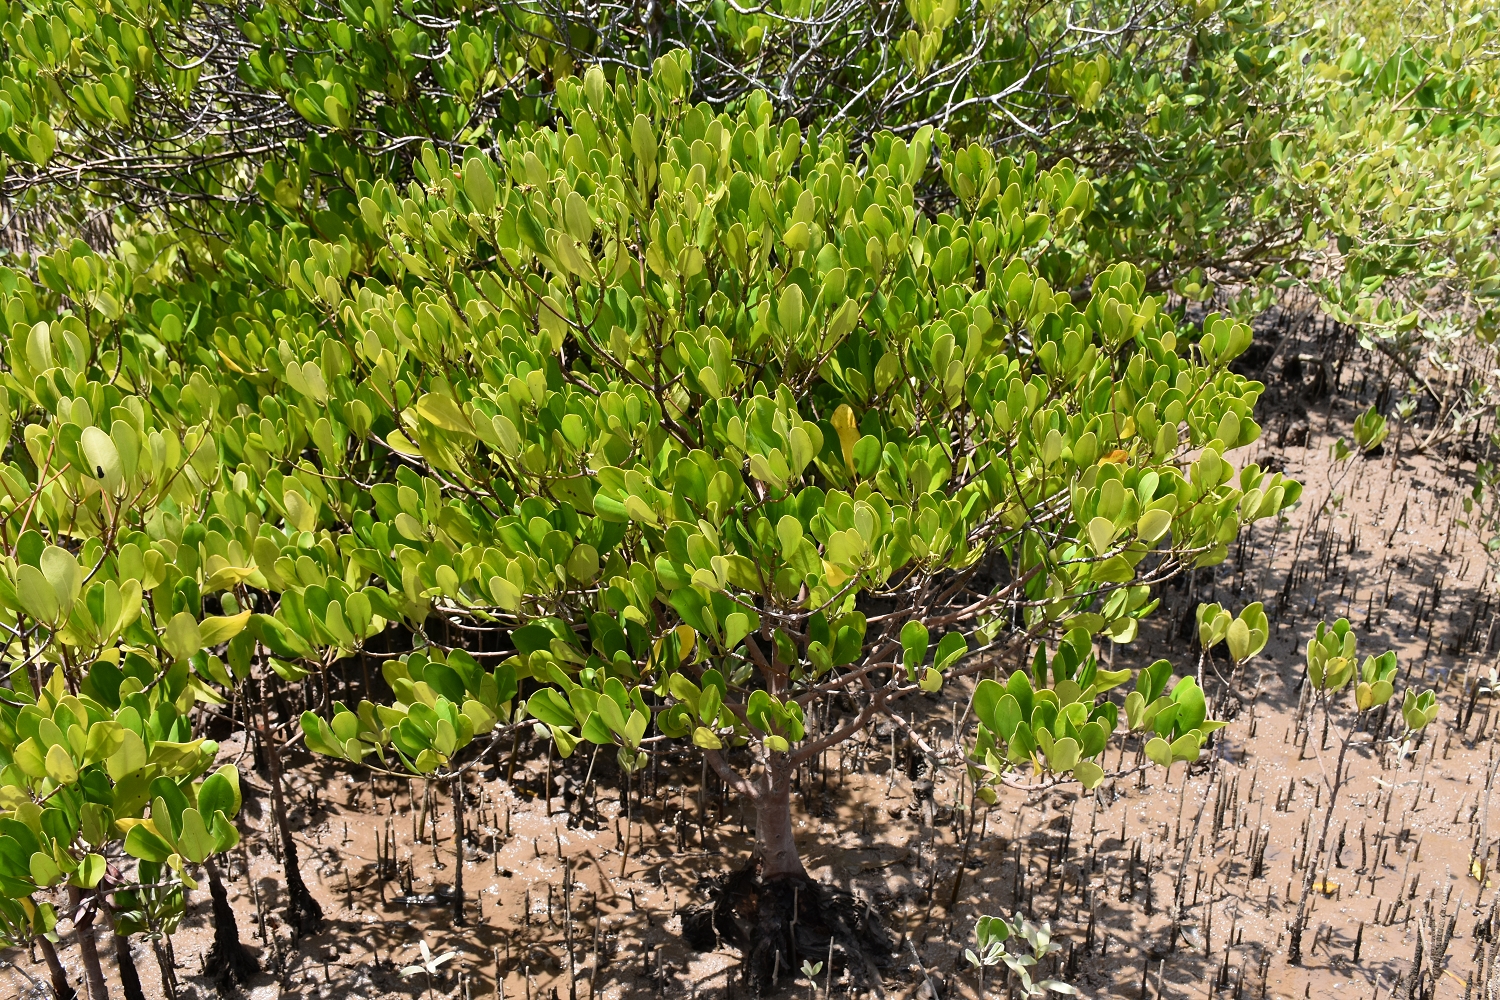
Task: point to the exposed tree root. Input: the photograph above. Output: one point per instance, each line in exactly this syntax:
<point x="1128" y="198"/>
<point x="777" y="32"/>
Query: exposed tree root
<point x="778" y="923"/>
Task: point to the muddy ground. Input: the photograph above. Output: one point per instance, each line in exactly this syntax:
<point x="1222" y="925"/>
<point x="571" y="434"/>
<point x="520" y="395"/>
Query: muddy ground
<point x="1378" y="539"/>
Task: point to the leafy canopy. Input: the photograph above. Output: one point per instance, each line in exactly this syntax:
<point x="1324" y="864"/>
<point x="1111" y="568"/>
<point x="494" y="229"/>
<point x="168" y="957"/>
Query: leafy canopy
<point x="674" y="396"/>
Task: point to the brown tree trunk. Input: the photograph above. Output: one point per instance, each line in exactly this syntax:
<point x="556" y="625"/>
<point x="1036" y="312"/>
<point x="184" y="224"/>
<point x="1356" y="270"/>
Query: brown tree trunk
<point x="228" y="959"/>
<point x="61" y="988"/>
<point x="166" y="965"/>
<point x="771" y="909"/>
<point x="775" y="839"/>
<point x="88" y="947"/>
<point x="305" y="912"/>
<point x="130" y="978"/>
<point x="457" y="786"/>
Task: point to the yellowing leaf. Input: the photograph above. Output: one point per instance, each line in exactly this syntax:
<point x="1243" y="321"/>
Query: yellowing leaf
<point x="130" y="757"/>
<point x="183" y="638"/>
<point x="60" y="766"/>
<point x="848" y="432"/>
<point x="443" y="412"/>
<point x="31" y="759"/>
<point x="1153" y="524"/>
<point x="44" y="870"/>
<point x="37" y="596"/>
<point x="1101" y="533"/>
<point x="215" y="630"/>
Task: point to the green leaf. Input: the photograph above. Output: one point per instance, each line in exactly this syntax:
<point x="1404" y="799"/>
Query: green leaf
<point x="320" y="737"/>
<point x="552" y="708"/>
<point x="481" y="719"/>
<point x="1192" y="707"/>
<point x="736" y="627"/>
<point x="1186" y="747"/>
<point x="95" y="821"/>
<point x="579" y="223"/>
<point x="595" y="731"/>
<point x="610" y="712"/>
<point x="914" y="644"/>
<point x="709" y="704"/>
<point x="635" y="728"/>
<point x="583" y="563"/>
<point x="1108" y="680"/>
<point x="90" y="871"/>
<point x="225" y="834"/>
<point x="44" y="870"/>
<point x="1088" y="773"/>
<point x="102" y="459"/>
<point x="1153" y="525"/>
<point x="1009" y="715"/>
<point x="1159" y="751"/>
<point x="195" y="843"/>
<point x="220" y="792"/>
<point x="951" y="648"/>
<point x="478" y="185"/>
<point x="565" y="742"/>
<point x="532" y="638"/>
<point x="1062" y="755"/>
<point x="1101" y="533"/>
<point x="289" y="672"/>
<point x="443" y="412"/>
<point x="278" y="638"/>
<point x="1152" y="681"/>
<point x="104" y="739"/>
<point x="182" y="637"/>
<point x="987" y="695"/>
<point x="789" y="310"/>
<point x="143" y="842"/>
<point x="61" y="571"/>
<point x="1248" y="633"/>
<point x="867" y="455"/>
<point x="643" y="140"/>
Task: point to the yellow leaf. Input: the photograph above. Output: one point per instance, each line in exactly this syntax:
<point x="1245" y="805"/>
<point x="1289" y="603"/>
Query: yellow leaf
<point x="401" y="444"/>
<point x="60" y="766"/>
<point x="228" y="577"/>
<point x="444" y="413"/>
<point x="221" y="629"/>
<point x="843" y="423"/>
<point x="130" y="757"/>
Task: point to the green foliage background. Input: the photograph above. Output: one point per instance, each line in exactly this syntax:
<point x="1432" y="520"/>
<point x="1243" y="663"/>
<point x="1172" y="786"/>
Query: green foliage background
<point x="660" y="407"/>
